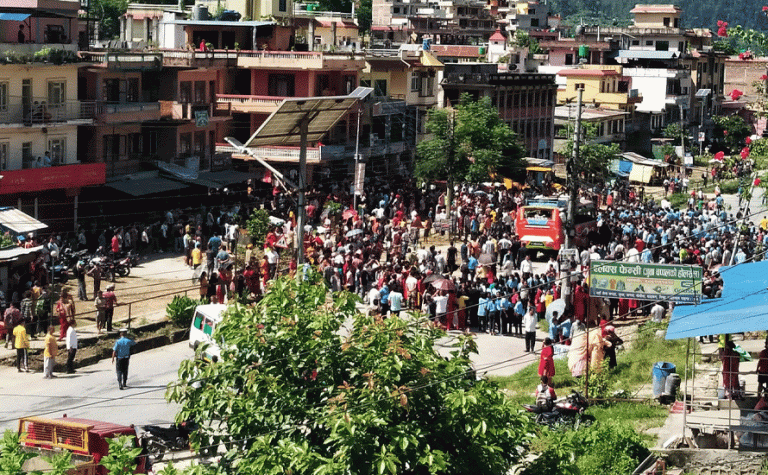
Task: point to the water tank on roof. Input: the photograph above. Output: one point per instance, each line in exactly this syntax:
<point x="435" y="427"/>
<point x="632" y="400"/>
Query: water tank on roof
<point x="230" y="15"/>
<point x="200" y="13"/>
<point x="579" y="30"/>
<point x="583" y="51"/>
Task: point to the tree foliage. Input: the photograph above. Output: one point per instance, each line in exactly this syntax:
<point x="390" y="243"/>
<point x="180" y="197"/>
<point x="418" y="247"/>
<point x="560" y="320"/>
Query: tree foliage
<point x="293" y="393"/>
<point x="594" y="158"/>
<point x="108" y="13"/>
<point x="469" y="143"/>
<point x="365" y="15"/>
<point x="731" y="131"/>
<point x="258" y="226"/>
<point x="13" y="456"/>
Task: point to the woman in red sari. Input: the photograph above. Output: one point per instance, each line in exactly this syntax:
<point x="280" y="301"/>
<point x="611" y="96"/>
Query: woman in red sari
<point x="547" y="360"/>
<point x="730" y="360"/>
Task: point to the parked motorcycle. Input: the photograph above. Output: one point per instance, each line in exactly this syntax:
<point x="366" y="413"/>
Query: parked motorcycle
<point x="158" y="439"/>
<point x="566" y="411"/>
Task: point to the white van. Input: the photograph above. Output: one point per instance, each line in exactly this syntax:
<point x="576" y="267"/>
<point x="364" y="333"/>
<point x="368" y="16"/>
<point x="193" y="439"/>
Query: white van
<point x="203" y="325"/>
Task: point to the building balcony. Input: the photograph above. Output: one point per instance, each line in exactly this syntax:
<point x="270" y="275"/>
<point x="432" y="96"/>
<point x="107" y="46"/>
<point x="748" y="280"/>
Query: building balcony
<point x="654" y="73"/>
<point x="618" y="98"/>
<point x="301" y="60"/>
<point x="185" y="110"/>
<point x="229" y="103"/>
<point x="33" y="180"/>
<point x="300" y="9"/>
<point x="42" y="114"/>
<point x="125" y="60"/>
<point x="115" y="113"/>
<point x="200" y="59"/>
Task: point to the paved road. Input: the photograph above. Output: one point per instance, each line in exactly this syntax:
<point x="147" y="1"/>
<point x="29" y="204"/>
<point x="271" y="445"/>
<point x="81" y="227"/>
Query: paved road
<point x="93" y="393"/>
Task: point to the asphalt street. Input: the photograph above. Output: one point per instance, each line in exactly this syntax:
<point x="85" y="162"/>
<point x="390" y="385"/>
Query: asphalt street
<point x="93" y="393"/>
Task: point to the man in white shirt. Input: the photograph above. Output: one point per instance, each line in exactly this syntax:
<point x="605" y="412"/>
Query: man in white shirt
<point x="441" y="308"/>
<point x="529" y="327"/>
<point x="526" y="267"/>
<point x="71" y="346"/>
<point x="395" y="302"/>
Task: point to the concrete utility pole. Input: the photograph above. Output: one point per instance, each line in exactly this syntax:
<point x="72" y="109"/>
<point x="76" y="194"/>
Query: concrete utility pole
<point x="573" y="191"/>
<point x="302" y="205"/>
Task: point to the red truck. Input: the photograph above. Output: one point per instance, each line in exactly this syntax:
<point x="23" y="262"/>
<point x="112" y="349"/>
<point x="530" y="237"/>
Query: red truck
<point x="85" y="438"/>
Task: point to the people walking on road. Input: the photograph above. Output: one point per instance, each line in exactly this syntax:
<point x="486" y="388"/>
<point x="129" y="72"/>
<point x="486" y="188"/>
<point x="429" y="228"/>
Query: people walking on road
<point x="22" y="345"/>
<point x="65" y="310"/>
<point x="50" y="353"/>
<point x="71" y="346"/>
<point x="529" y="327"/>
<point x="122" y="353"/>
<point x="95" y="272"/>
<point x="11" y="319"/>
<point x="101" y="311"/>
<point x="110" y="302"/>
<point x="28" y="313"/>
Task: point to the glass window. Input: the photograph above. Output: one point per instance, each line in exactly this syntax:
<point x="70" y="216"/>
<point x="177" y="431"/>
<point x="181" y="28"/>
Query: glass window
<point x="58" y="148"/>
<point x="132" y="90"/>
<point x="198" y="322"/>
<point x="185" y="144"/>
<point x="199" y="92"/>
<point x="4" y="155"/>
<point x="57" y="93"/>
<point x="415" y="82"/>
<point x="208" y="327"/>
<point x="3" y="96"/>
<point x="380" y="87"/>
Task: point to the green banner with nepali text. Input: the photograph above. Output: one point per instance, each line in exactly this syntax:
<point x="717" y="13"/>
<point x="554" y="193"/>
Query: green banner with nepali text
<point x="628" y="280"/>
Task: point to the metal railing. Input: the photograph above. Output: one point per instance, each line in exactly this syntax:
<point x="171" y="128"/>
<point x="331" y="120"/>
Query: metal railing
<point x="44" y="113"/>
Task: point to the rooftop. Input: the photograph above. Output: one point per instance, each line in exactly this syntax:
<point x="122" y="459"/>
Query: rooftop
<point x="459" y="51"/>
<point x="656" y="8"/>
<point x="497" y="36"/>
<point x="589" y="72"/>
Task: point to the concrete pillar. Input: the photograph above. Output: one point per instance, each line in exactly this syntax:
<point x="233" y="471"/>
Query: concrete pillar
<point x="128" y="28"/>
<point x="333" y="33"/>
<point x="311" y="35"/>
<point x="146" y="34"/>
<point x="122" y="28"/>
<point x="156" y="30"/>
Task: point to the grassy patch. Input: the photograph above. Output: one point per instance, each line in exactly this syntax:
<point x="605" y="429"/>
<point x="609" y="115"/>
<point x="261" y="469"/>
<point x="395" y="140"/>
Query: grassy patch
<point x="642" y="416"/>
<point x="679" y="200"/>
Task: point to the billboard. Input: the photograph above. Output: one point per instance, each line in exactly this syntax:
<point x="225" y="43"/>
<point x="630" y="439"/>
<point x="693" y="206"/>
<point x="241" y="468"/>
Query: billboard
<point x="675" y="283"/>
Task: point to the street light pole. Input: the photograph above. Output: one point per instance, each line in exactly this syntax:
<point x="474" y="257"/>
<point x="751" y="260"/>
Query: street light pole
<point x="357" y="159"/>
<point x="302" y="204"/>
<point x="573" y="191"/>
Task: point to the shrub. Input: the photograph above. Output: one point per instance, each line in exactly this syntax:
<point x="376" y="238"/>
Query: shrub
<point x="181" y="310"/>
<point x="258" y="226"/>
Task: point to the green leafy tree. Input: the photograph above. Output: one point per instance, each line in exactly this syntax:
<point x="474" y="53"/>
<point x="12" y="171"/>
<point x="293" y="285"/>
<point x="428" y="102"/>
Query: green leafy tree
<point x="121" y="457"/>
<point x="673" y="131"/>
<point x="258" y="226"/>
<point x="365" y="15"/>
<point x="523" y="40"/>
<point x="594" y="158"/>
<point x="13" y="456"/>
<point x="108" y="12"/>
<point x="293" y="393"/>
<point x="731" y="131"/>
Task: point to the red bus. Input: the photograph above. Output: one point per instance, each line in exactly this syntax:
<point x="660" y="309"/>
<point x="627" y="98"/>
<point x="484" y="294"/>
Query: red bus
<point x="540" y="223"/>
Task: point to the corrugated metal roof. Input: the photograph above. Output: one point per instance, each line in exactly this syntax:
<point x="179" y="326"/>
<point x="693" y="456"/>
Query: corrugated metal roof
<point x="645" y="54"/>
<point x="146" y="186"/>
<point x="220" y="23"/>
<point x="15" y="252"/>
<point x="19" y="222"/>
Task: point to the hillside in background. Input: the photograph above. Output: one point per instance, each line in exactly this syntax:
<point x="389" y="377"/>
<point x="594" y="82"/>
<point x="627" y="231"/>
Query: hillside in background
<point x="698" y="14"/>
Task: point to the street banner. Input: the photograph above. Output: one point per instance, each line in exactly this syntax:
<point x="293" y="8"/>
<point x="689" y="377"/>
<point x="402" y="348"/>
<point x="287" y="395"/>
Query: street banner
<point x="675" y="283"/>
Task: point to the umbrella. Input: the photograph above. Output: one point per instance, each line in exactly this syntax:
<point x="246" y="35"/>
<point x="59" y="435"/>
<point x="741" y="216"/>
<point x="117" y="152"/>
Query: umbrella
<point x="486" y="259"/>
<point x="432" y="278"/>
<point x="275" y="221"/>
<point x="481" y="193"/>
<point x="556" y="306"/>
<point x="354" y="232"/>
<point x="348" y="213"/>
<point x="444" y="284"/>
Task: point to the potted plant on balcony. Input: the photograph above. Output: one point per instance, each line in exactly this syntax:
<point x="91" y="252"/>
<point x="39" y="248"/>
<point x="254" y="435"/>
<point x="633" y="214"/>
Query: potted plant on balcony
<point x="6" y="241"/>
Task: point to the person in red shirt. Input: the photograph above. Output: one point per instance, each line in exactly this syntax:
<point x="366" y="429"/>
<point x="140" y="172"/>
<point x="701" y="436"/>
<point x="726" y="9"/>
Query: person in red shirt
<point x="115" y="244"/>
<point x="547" y="360"/>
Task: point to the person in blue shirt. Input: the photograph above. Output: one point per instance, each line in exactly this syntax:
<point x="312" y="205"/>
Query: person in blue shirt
<point x="517" y="318"/>
<point x="506" y="317"/>
<point x="565" y="329"/>
<point x="384" y="299"/>
<point x="554" y="328"/>
<point x="493" y="315"/>
<point x="482" y="312"/>
<point x="122" y="352"/>
<point x="472" y="266"/>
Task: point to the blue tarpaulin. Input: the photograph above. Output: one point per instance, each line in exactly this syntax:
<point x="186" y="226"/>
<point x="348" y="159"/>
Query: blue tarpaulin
<point x="14" y="16"/>
<point x="743" y="306"/>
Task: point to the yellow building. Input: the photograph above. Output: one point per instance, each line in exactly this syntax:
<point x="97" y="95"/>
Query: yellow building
<point x="656" y="16"/>
<point x="604" y="87"/>
<point x="39" y="114"/>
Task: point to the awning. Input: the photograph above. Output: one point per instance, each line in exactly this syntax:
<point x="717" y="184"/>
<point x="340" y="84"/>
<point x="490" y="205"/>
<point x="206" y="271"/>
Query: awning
<point x="16" y="252"/>
<point x="146" y="186"/>
<point x="742" y="308"/>
<point x="14" y="16"/>
<point x="19" y="222"/>
<point x="220" y="179"/>
<point x="538" y="169"/>
<point x="641" y="160"/>
<point x="641" y="173"/>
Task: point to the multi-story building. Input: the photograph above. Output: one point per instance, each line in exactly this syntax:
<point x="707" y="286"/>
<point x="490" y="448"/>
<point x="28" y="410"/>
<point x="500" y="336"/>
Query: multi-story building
<point x="607" y="125"/>
<point x="603" y="86"/>
<point x="526" y="15"/>
<point x="526" y="101"/>
<point x="39" y="110"/>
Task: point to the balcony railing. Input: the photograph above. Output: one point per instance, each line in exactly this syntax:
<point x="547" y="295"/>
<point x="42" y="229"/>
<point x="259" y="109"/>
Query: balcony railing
<point x="301" y="60"/>
<point x="247" y="104"/>
<point x="123" y="107"/>
<point x="47" y="115"/>
<point x="300" y="9"/>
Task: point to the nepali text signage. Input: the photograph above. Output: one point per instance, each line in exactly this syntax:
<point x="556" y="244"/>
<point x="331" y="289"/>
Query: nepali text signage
<point x="676" y="283"/>
<point x="33" y="180"/>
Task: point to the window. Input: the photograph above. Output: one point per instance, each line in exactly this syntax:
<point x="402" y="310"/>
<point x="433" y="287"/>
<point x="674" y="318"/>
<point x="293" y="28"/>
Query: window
<point x="281" y="85"/>
<point x="349" y="84"/>
<point x="111" y="147"/>
<point x="534" y="22"/>
<point x="365" y="83"/>
<point x="635" y="42"/>
<point x="4" y="155"/>
<point x="132" y="90"/>
<point x="26" y="153"/>
<point x="681" y="45"/>
<point x="198" y="322"/>
<point x="185" y="92"/>
<point x="579" y="85"/>
<point x="208" y="327"/>
<point x="199" y="92"/>
<point x="282" y="5"/>
<point x="649" y="43"/>
<point x="57" y="93"/>
<point x="3" y="96"/>
<point x="662" y="46"/>
<point x="185" y="144"/>
<point x="568" y="59"/>
<point x="396" y="10"/>
<point x="415" y="82"/>
<point x="58" y="148"/>
<point x="666" y="21"/>
<point x="200" y="144"/>
<point x="380" y="87"/>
